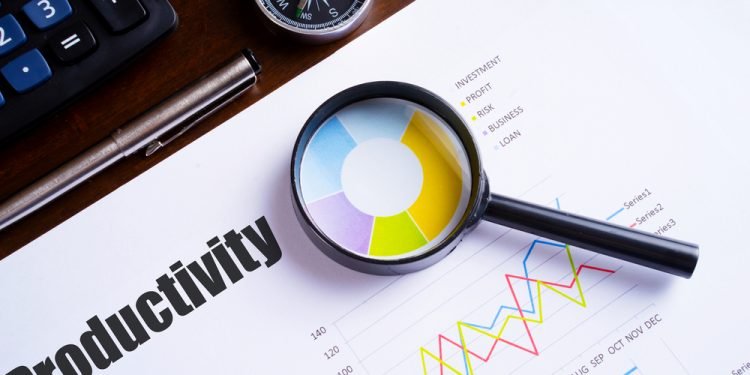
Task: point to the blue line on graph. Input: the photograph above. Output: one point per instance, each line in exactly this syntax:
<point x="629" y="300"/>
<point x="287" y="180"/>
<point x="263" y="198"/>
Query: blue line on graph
<point x="632" y="370"/>
<point x="528" y="283"/>
<point x="616" y="213"/>
<point x="526" y="273"/>
<point x="528" y="286"/>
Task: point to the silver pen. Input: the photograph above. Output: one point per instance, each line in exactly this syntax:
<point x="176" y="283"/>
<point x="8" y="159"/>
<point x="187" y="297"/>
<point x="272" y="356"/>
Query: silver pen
<point x="149" y="131"/>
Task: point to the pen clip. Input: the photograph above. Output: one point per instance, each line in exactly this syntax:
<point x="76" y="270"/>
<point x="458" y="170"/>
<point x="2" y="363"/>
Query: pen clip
<point x="247" y="65"/>
<point x="156" y="144"/>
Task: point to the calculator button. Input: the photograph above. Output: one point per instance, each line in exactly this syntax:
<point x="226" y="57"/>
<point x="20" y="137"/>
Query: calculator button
<point x="47" y="13"/>
<point x="73" y="43"/>
<point x="27" y="71"/>
<point x="11" y="34"/>
<point x="120" y="14"/>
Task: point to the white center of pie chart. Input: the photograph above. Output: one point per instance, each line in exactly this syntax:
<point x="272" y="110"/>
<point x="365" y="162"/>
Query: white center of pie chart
<point x="382" y="177"/>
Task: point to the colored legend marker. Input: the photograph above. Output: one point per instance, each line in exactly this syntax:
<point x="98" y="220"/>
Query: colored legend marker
<point x="484" y="132"/>
<point x="463" y="104"/>
<point x="473" y="118"/>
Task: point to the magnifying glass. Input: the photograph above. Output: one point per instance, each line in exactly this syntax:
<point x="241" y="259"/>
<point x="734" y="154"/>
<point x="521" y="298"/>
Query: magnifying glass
<point x="387" y="179"/>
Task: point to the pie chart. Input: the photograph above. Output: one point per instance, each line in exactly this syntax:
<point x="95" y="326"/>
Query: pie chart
<point x="385" y="178"/>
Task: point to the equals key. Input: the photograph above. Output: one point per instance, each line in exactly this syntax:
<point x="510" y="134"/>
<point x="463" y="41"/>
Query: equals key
<point x="73" y="43"/>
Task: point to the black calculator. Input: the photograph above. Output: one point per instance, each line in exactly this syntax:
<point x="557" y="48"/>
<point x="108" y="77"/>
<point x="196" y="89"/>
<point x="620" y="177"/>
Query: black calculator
<point x="53" y="50"/>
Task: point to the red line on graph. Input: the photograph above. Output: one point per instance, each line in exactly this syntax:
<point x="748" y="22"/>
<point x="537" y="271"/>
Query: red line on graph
<point x="533" y="350"/>
<point x="633" y="225"/>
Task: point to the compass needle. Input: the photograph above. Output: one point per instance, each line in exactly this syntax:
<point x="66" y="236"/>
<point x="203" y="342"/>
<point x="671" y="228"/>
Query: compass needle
<point x="300" y="8"/>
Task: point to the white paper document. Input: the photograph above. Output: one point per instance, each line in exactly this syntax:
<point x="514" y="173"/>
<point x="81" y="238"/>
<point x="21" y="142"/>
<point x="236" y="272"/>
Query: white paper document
<point x="635" y="113"/>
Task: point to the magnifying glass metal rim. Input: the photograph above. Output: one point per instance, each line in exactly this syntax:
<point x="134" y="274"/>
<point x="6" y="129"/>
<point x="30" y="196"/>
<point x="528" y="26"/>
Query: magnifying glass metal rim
<point x="427" y="99"/>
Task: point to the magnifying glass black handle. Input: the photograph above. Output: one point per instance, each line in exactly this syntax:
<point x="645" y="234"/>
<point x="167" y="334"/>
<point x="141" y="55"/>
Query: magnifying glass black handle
<point x="646" y="249"/>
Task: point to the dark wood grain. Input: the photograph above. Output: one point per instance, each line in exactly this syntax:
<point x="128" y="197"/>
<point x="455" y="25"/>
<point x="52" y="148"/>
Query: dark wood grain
<point x="209" y="33"/>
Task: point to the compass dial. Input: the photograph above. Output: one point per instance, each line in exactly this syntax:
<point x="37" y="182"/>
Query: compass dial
<point x="315" y="20"/>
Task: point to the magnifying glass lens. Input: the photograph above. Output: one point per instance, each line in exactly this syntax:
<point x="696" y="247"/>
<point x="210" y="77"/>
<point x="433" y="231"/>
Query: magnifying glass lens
<point x="385" y="179"/>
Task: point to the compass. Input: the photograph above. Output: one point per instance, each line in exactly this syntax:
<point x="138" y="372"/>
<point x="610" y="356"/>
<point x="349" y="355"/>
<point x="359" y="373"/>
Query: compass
<point x="314" y="21"/>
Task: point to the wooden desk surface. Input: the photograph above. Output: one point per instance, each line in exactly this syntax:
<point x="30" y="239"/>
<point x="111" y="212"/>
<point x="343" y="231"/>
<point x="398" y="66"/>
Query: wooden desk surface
<point x="209" y="33"/>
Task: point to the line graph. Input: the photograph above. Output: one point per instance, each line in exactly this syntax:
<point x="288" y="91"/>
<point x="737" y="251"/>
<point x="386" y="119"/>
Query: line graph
<point x="523" y="315"/>
<point x="484" y="330"/>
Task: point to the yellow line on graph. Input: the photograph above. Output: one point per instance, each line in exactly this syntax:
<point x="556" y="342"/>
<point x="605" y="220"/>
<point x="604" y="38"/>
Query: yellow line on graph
<point x="540" y="320"/>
